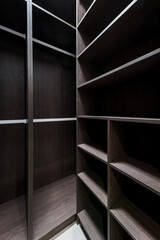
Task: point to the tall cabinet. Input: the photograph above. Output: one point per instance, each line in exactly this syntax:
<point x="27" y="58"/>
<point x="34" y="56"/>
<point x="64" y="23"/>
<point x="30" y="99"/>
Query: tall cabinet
<point x="79" y="118"/>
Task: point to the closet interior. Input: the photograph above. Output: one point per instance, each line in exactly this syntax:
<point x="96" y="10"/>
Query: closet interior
<point x="79" y="118"/>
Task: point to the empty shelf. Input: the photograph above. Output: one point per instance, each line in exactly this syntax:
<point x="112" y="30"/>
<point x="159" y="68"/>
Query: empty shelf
<point x="136" y="223"/>
<point x="94" y="151"/>
<point x="141" y="172"/>
<point x="13" y="220"/>
<point x="54" y="205"/>
<point x="90" y="227"/>
<point x="95" y="184"/>
<point x="125" y="71"/>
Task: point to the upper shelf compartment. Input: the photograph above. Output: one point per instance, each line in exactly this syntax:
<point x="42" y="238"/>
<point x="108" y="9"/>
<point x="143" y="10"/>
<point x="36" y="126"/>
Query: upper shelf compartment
<point x="139" y="18"/>
<point x="16" y="10"/>
<point x="52" y="31"/>
<point x="104" y="11"/>
<point x="83" y="7"/>
<point x="63" y="9"/>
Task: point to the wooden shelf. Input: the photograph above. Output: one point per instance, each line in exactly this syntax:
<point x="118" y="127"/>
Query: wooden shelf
<point x="95" y="184"/>
<point x="121" y="119"/>
<point x="125" y="71"/>
<point x="90" y="227"/>
<point x="139" y="171"/>
<point x="94" y="151"/>
<point x="13" y="220"/>
<point x="135" y="222"/>
<point x="54" y="206"/>
<point x="104" y="43"/>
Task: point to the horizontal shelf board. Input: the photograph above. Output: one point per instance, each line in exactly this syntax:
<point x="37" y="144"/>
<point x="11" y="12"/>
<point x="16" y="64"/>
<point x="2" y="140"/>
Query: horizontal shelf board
<point x="85" y="52"/>
<point x="3" y="122"/>
<point x="90" y="226"/>
<point x="13" y="220"/>
<point x="121" y="119"/>
<point x="135" y="222"/>
<point x="94" y="151"/>
<point x="53" y="205"/>
<point x="94" y="183"/>
<point x="18" y="34"/>
<point x="125" y="71"/>
<point x="139" y="171"/>
<point x="54" y="120"/>
<point x="53" y="47"/>
<point x="53" y="15"/>
<point x="86" y="14"/>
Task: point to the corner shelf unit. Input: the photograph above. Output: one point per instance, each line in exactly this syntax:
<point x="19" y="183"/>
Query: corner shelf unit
<point x="118" y="118"/>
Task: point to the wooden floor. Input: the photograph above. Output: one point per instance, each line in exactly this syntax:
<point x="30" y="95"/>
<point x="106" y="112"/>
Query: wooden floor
<point x="13" y="220"/>
<point x="54" y="206"/>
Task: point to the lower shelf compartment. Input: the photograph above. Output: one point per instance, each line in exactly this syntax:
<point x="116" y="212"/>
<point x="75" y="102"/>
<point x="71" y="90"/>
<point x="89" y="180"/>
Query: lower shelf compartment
<point x="141" y="172"/>
<point x="89" y="226"/>
<point x="54" y="206"/>
<point x="95" y="184"/>
<point x="94" y="151"/>
<point x="135" y="222"/>
<point x="13" y="220"/>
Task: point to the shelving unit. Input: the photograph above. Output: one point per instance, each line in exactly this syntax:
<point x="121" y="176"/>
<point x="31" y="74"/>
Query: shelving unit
<point x="103" y="66"/>
<point x="39" y="159"/>
<point x="117" y="81"/>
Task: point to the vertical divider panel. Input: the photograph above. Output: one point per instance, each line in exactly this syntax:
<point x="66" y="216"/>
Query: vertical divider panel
<point x="29" y="120"/>
<point x="108" y="147"/>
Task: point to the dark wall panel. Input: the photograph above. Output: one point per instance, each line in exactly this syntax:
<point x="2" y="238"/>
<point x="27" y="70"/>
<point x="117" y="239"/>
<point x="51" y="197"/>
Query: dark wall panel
<point x="54" y="151"/>
<point x="54" y="85"/>
<point x="12" y="77"/>
<point x="61" y="8"/>
<point x="12" y="158"/>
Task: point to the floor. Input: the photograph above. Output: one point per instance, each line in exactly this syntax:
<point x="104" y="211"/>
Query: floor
<point x="74" y="232"/>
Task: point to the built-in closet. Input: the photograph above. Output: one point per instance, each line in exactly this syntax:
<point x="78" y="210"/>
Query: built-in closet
<point x="79" y="118"/>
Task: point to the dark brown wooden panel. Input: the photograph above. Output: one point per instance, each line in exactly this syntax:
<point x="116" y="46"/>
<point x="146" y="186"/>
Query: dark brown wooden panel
<point x="54" y="151"/>
<point x="13" y="14"/>
<point x="12" y="158"/>
<point x="54" y="84"/>
<point x="50" y="30"/>
<point x="12" y="77"/>
<point x="61" y="8"/>
<point x="13" y="220"/>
